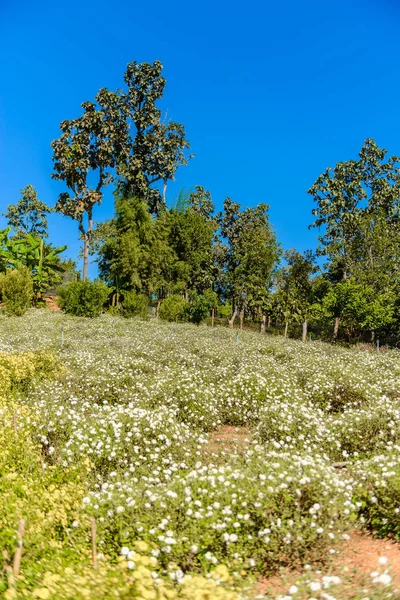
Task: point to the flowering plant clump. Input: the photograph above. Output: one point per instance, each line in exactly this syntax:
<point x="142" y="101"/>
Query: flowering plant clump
<point x="318" y="586"/>
<point x="114" y="419"/>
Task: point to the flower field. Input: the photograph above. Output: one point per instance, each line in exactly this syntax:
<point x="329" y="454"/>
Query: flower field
<point x="108" y="430"/>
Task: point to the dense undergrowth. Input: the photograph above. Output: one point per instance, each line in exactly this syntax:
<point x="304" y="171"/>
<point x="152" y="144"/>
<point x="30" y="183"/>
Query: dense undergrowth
<point x="110" y="418"/>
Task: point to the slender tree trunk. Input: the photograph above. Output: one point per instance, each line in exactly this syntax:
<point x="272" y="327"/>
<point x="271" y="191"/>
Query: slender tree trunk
<point x="286" y="328"/>
<point x="241" y="317"/>
<point x="269" y="321"/>
<point x="264" y="318"/>
<point x="336" y="329"/>
<point x="232" y="319"/>
<point x="87" y="235"/>
<point x="86" y="257"/>
<point x="305" y="328"/>
<point x="212" y="317"/>
<point x="164" y="193"/>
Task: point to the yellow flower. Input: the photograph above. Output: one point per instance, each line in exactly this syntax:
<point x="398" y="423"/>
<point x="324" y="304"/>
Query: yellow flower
<point x="42" y="593"/>
<point x="141" y="546"/>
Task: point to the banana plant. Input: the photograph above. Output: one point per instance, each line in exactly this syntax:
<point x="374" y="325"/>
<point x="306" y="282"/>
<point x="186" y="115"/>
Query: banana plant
<point x="43" y="260"/>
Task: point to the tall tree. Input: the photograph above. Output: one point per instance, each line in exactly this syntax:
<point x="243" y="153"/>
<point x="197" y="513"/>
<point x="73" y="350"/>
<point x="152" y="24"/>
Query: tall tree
<point x="349" y="191"/>
<point x="83" y="156"/>
<point x="252" y="252"/>
<point x="29" y="214"/>
<point x="133" y="249"/>
<point x="191" y="236"/>
<point x="120" y="135"/>
<point x="156" y="147"/>
<point x="297" y="285"/>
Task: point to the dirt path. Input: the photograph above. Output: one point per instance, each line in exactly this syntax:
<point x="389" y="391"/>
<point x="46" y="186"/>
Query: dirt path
<point x="51" y="303"/>
<point x="354" y="562"/>
<point x="227" y="440"/>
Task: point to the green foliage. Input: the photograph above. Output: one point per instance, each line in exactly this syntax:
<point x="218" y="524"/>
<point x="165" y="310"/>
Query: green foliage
<point x="251" y="253"/>
<point x="16" y="290"/>
<point x="349" y="192"/>
<point x="359" y="307"/>
<point x="191" y="234"/>
<point x="42" y="260"/>
<point x="378" y="494"/>
<point x="29" y="214"/>
<point x="135" y="305"/>
<point x="225" y="310"/>
<point x="173" y="308"/>
<point x="157" y="148"/>
<point x="121" y="135"/>
<point x="83" y="298"/>
<point x="133" y="249"/>
<point x="201" y="305"/>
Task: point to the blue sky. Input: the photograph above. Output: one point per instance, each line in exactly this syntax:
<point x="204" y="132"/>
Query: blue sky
<point x="271" y="93"/>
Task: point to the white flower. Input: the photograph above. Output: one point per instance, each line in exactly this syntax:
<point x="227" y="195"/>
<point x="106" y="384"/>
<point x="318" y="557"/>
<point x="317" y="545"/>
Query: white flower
<point x="131" y="564"/>
<point x="385" y="579"/>
<point x="233" y="537"/>
<point x="315" y="586"/>
<point x="293" y="589"/>
<point x="124" y="551"/>
<point x="382" y="560"/>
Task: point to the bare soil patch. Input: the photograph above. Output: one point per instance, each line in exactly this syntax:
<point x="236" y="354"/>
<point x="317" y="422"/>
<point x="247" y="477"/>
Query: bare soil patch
<point x="51" y="302"/>
<point x="354" y="562"/>
<point x="228" y="439"/>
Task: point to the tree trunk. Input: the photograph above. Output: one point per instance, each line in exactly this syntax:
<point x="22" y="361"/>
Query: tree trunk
<point x="336" y="329"/>
<point x="212" y="317"/>
<point x="286" y="328"/>
<point x="86" y="257"/>
<point x="232" y="320"/>
<point x="241" y="316"/>
<point x="87" y="235"/>
<point x="269" y="321"/>
<point x="263" y="324"/>
<point x="164" y="193"/>
<point x="305" y="328"/>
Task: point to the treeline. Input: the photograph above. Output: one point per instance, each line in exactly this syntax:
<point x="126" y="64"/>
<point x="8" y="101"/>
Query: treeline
<point x="187" y="260"/>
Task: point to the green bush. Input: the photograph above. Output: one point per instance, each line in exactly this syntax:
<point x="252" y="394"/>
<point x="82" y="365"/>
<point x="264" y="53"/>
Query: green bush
<point x="377" y="493"/>
<point x="135" y="305"/>
<point x="173" y="308"/>
<point x="16" y="290"/>
<point x="201" y="306"/>
<point x="225" y="310"/>
<point x="83" y="298"/>
<point x="198" y="310"/>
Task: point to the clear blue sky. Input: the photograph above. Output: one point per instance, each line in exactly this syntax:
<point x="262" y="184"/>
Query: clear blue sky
<point x="271" y="93"/>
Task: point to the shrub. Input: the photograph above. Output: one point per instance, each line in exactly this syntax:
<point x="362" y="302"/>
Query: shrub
<point x="377" y="493"/>
<point x="201" y="306"/>
<point x="83" y="298"/>
<point x="135" y="305"/>
<point x="198" y="310"/>
<point x="225" y="310"/>
<point x="17" y="290"/>
<point x="173" y="308"/>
